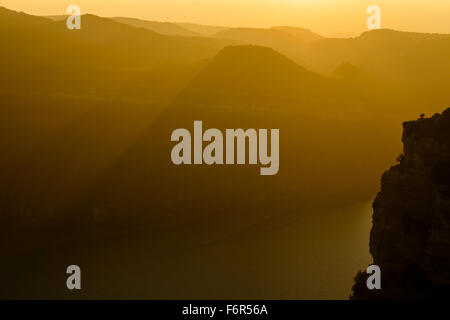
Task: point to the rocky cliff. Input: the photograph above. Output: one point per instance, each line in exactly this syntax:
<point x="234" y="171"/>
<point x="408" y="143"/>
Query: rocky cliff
<point x="410" y="236"/>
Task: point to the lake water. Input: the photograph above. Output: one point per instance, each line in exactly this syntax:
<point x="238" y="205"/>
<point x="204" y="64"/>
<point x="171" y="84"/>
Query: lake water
<point x="313" y="255"/>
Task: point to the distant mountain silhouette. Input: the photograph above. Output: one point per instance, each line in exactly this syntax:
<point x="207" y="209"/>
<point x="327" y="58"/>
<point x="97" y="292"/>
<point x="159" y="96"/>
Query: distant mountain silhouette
<point x="167" y="28"/>
<point x="204" y="30"/>
<point x="394" y="36"/>
<point x="355" y="76"/>
<point x="300" y="33"/>
<point x="11" y="18"/>
<point x="400" y="58"/>
<point x="396" y="56"/>
<point x="348" y="70"/>
<point x="280" y="40"/>
<point x="254" y="71"/>
<point x="57" y="17"/>
<point x="100" y="56"/>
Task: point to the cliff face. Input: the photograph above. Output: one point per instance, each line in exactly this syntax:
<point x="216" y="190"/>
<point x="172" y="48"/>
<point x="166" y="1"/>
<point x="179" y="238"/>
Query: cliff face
<point x="410" y="236"/>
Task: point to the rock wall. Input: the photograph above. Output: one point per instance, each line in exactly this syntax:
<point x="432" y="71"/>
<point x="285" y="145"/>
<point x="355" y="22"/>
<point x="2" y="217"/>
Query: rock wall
<point x="410" y="236"/>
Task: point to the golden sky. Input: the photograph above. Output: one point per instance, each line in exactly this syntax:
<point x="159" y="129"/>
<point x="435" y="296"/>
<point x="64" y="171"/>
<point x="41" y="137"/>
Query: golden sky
<point x="328" y="17"/>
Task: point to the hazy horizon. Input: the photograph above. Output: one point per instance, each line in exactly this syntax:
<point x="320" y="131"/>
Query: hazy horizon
<point x="327" y="17"/>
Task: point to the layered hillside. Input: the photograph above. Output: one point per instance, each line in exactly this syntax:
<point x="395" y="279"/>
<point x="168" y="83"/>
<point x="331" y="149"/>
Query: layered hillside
<point x="104" y="57"/>
<point x="410" y="236"/>
<point x="10" y="18"/>
<point x="249" y="87"/>
<point x="254" y="72"/>
<point x="167" y="28"/>
<point x="409" y="58"/>
<point x="300" y="33"/>
<point x="278" y="39"/>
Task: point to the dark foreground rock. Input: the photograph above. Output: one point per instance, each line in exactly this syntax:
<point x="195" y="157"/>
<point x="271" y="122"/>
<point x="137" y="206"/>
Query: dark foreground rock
<point x="410" y="236"/>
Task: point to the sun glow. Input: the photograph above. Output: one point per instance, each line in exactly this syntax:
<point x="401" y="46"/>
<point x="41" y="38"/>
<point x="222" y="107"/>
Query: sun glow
<point x="323" y="16"/>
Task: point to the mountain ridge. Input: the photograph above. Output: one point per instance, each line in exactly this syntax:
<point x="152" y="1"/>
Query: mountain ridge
<point x="11" y="18"/>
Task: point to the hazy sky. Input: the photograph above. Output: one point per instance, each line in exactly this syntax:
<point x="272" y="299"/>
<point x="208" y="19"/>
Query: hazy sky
<point x="323" y="16"/>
